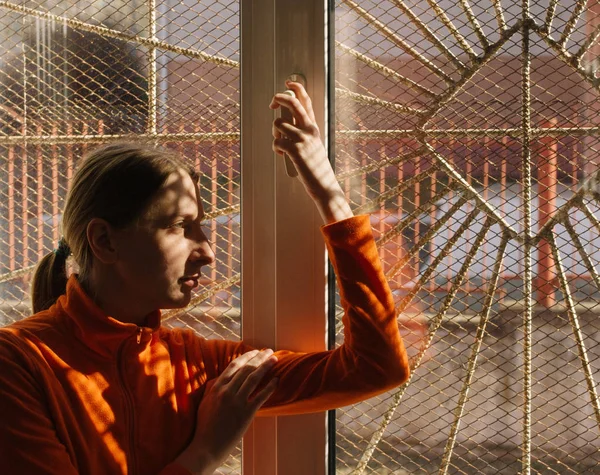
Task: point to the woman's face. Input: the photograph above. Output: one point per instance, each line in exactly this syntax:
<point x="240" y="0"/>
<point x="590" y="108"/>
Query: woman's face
<point x="160" y="257"/>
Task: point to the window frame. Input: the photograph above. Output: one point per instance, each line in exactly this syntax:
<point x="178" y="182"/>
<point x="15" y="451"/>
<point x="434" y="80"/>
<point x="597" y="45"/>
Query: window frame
<point x="281" y="309"/>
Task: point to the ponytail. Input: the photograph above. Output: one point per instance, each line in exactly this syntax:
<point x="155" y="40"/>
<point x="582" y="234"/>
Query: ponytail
<point x="50" y="278"/>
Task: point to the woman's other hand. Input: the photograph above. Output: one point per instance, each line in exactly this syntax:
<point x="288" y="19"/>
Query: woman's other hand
<point x="227" y="409"/>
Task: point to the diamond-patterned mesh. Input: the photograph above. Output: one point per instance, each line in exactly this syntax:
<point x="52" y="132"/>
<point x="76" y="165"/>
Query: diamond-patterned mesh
<point x="470" y="156"/>
<point x="77" y="73"/>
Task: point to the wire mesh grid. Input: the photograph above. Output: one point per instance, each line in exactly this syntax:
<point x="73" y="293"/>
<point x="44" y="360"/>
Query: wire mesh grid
<point x="469" y="131"/>
<point x="468" y="153"/>
<point x="76" y="74"/>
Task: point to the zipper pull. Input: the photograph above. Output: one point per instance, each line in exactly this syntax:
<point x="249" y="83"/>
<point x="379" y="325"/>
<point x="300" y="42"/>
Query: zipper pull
<point x="139" y="334"/>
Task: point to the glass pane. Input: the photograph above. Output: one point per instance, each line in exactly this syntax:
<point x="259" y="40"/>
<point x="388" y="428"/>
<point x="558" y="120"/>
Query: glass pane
<point x="65" y="89"/>
<point x="470" y="155"/>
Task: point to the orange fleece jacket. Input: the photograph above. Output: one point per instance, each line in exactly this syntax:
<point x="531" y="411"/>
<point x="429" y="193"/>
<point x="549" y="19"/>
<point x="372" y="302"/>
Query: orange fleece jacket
<point x="82" y="393"/>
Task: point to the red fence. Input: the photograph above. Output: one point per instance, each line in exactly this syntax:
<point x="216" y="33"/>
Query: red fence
<point x="37" y="177"/>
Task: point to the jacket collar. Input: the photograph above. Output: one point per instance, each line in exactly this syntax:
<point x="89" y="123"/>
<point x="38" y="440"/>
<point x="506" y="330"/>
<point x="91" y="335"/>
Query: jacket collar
<point x="98" y="331"/>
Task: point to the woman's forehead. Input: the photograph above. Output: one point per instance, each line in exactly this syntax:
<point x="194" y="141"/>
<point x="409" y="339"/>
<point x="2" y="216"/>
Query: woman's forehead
<point x="178" y="196"/>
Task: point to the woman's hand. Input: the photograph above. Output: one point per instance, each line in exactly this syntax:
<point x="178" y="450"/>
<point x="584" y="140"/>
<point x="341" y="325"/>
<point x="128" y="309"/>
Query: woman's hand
<point x="301" y="141"/>
<point x="227" y="409"/>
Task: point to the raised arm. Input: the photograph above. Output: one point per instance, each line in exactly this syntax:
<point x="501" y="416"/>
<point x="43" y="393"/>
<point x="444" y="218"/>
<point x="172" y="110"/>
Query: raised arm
<point x="373" y="358"/>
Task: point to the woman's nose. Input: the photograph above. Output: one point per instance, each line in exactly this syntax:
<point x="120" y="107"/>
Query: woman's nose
<point x="202" y="249"/>
<point x="207" y="252"/>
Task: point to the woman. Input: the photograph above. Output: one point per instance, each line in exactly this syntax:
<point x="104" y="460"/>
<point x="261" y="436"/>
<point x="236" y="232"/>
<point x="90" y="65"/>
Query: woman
<point x="92" y="384"/>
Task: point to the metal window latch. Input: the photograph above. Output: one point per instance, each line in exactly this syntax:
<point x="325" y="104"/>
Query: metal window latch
<point x="290" y="169"/>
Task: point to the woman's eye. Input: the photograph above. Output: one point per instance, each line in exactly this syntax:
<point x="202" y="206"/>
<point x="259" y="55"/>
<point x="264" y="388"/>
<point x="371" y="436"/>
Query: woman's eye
<point x="179" y="224"/>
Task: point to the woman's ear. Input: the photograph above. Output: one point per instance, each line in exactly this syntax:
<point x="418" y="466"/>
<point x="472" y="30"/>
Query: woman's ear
<point x="101" y="239"/>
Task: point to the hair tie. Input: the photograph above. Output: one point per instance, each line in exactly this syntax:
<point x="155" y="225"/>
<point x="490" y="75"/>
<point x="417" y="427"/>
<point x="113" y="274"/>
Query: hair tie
<point x="63" y="250"/>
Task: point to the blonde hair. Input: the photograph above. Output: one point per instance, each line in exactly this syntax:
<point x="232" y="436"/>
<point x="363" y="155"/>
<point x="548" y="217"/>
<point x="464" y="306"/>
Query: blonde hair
<point x="115" y="183"/>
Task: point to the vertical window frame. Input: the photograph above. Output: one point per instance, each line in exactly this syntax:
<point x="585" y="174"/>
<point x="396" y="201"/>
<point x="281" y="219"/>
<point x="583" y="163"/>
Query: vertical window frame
<point x="284" y="271"/>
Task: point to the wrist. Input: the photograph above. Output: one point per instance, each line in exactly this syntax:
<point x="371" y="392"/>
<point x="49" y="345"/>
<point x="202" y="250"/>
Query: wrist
<point x="333" y="206"/>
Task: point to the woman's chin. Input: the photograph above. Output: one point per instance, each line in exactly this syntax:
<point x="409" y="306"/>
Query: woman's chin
<point x="181" y="300"/>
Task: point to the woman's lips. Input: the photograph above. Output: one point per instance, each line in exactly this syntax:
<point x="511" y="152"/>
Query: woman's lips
<point x="191" y="281"/>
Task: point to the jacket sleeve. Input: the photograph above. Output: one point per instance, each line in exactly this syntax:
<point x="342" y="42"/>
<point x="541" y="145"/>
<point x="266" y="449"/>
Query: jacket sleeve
<point x="28" y="441"/>
<point x="372" y="358"/>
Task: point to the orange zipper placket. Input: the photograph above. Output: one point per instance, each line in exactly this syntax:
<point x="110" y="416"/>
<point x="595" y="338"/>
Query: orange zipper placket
<point x="129" y="407"/>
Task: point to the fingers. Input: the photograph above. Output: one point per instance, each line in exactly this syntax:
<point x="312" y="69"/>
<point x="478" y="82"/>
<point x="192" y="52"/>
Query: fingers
<point x="283" y="146"/>
<point x="282" y="128"/>
<point x="294" y="105"/>
<point x="253" y="380"/>
<point x="303" y="97"/>
<point x="252" y="369"/>
<point x="234" y="367"/>
<point x="264" y="394"/>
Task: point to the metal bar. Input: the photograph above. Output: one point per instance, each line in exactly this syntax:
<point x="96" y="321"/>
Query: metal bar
<point x="373" y="101"/>
<point x="399" y="208"/>
<point x="40" y="199"/>
<point x="499" y="132"/>
<point x="366" y="207"/>
<point x="110" y="33"/>
<point x="394" y="38"/>
<point x="70" y="165"/>
<point x="589" y="377"/>
<point x="377" y="165"/>
<point x="11" y="209"/>
<point x="41" y="139"/>
<point x="25" y="204"/>
<point x="490" y="53"/>
<point x="527" y="247"/>
<point x="499" y="15"/>
<point x="441" y="14"/>
<point x="437" y="321"/>
<point x="587" y="44"/>
<point x="16" y="274"/>
<point x="382" y="223"/>
<point x="404" y="222"/>
<point x="583" y="207"/>
<point x="376" y="65"/>
<point x="572" y="60"/>
<point x="547" y="163"/>
<point x="482" y="204"/>
<point x="55" y="198"/>
<point x="417" y="201"/>
<point x="152" y="72"/>
<point x="486" y="192"/>
<point x="582" y="252"/>
<point x="214" y="199"/>
<point x="432" y="231"/>
<point x="475" y="24"/>
<point x="84" y="144"/>
<point x="230" y="160"/>
<point x="427" y="33"/>
<point x="483" y="320"/>
<point x="445" y="252"/>
<point x="550" y="16"/>
<point x="559" y="215"/>
<point x="570" y="26"/>
<point x="345" y="134"/>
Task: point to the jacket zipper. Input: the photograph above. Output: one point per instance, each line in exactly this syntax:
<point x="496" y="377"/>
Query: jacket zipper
<point x="129" y="407"/>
